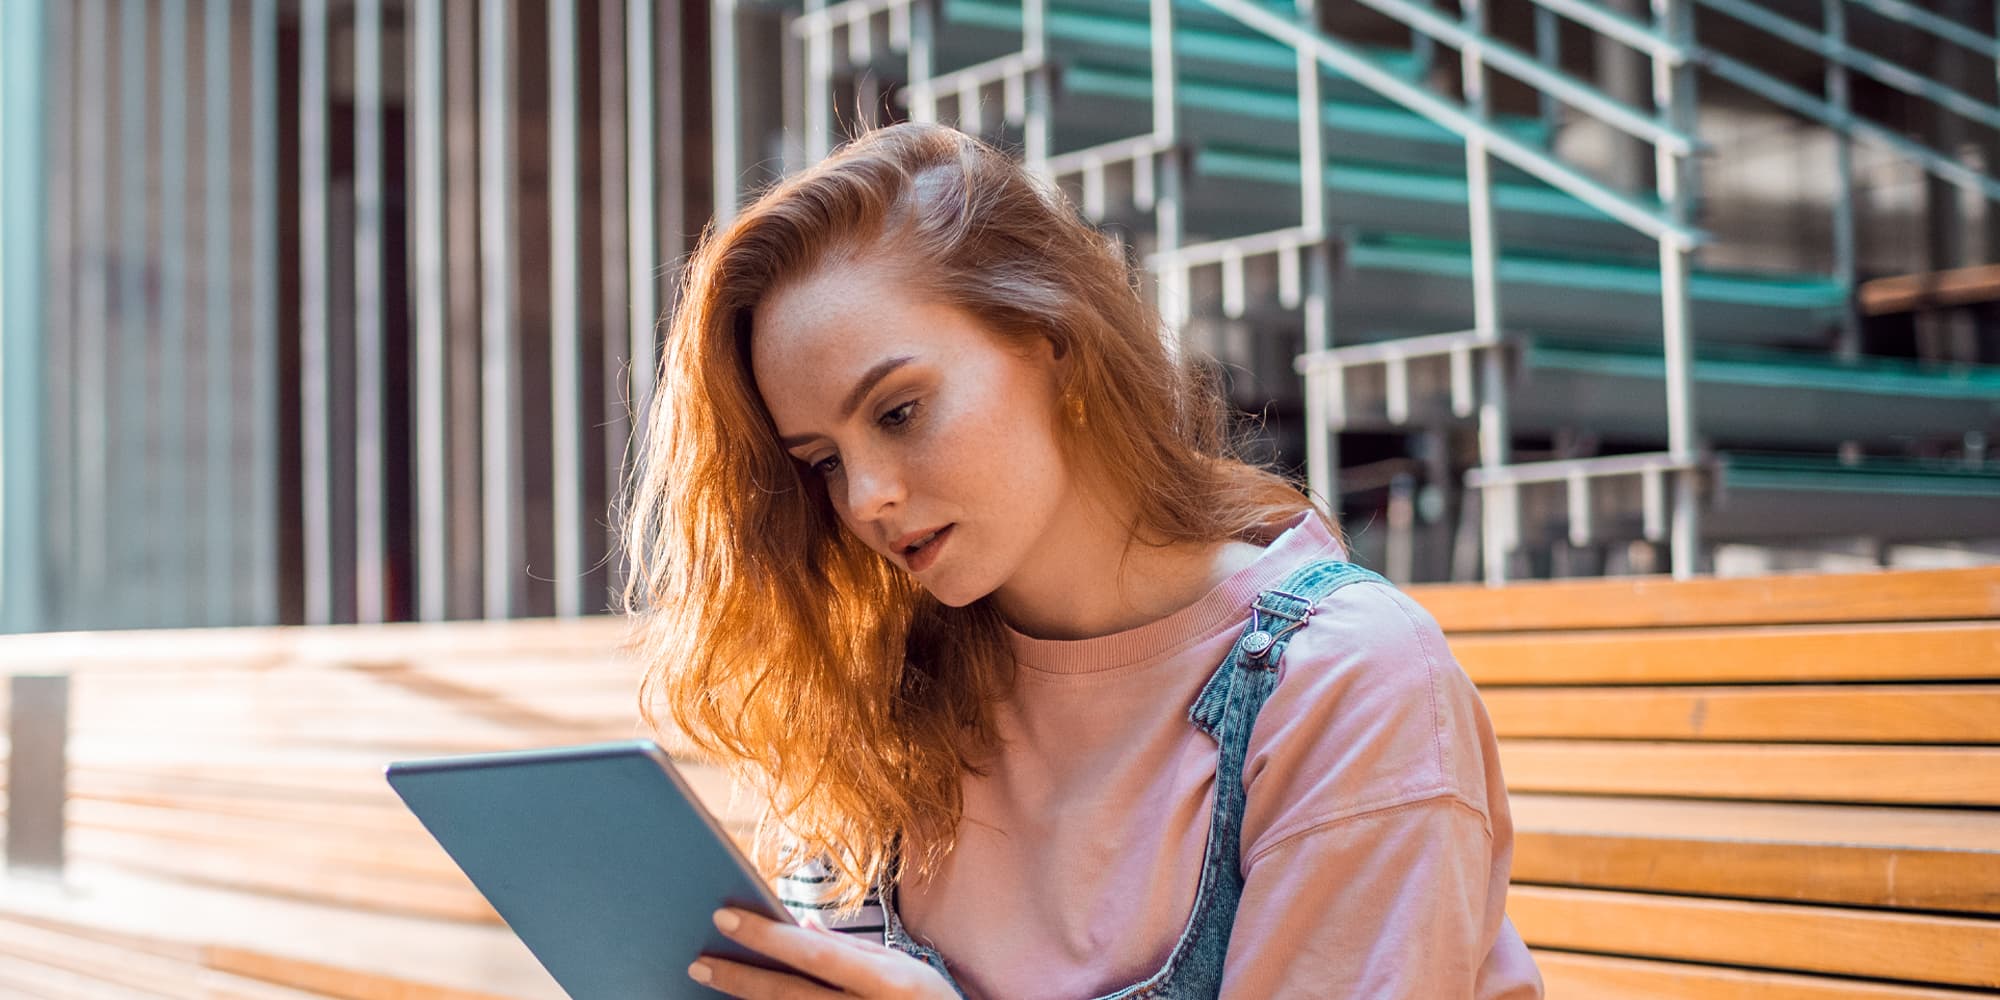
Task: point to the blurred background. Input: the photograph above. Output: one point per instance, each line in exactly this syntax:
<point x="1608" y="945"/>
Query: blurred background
<point x="323" y="324"/>
<point x="340" y="312"/>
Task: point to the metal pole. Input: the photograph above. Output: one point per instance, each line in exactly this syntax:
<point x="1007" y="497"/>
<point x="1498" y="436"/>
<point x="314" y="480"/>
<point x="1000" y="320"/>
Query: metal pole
<point x="725" y="104"/>
<point x="1548" y="52"/>
<point x="1673" y="95"/>
<point x="566" y="363"/>
<point x="24" y="212"/>
<point x="640" y="255"/>
<point x="261" y="600"/>
<point x="1322" y="441"/>
<point x="819" y="86"/>
<point x="428" y="235"/>
<point x="499" y="418"/>
<point x="922" y="56"/>
<point x="59" y="512"/>
<point x="1037" y="137"/>
<point x="134" y="500"/>
<point x="1845" y="266"/>
<point x="93" y="314"/>
<point x="370" y="541"/>
<point x="219" y="568"/>
<point x="169" y="453"/>
<point x="315" y="388"/>
<point x="1495" y="436"/>
<point x="1172" y="283"/>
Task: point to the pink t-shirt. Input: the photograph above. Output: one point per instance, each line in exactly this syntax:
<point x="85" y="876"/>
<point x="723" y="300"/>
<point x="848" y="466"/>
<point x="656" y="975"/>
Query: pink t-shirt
<point x="1376" y="835"/>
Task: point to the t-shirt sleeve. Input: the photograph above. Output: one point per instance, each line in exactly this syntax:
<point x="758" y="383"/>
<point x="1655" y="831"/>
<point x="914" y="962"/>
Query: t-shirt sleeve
<point x="1376" y="837"/>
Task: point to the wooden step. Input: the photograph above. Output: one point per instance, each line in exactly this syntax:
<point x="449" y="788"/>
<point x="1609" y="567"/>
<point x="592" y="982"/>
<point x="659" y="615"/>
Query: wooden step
<point x="1955" y="951"/>
<point x="1572" y="976"/>
<point x="1830" y="713"/>
<point x="1890" y="775"/>
<point x="1774" y="654"/>
<point x="1654" y="602"/>
<point x="1875" y="856"/>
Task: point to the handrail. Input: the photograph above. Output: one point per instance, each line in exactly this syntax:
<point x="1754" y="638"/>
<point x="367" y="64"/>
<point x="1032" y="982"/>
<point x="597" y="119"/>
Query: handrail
<point x="1528" y="69"/>
<point x="1346" y="61"/>
<point x="1617" y="27"/>
<point x="1923" y="20"/>
<point x="1908" y="81"/>
<point x="1779" y="92"/>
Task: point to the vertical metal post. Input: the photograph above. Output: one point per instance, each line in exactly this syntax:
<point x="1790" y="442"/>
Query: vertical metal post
<point x="169" y="453"/>
<point x="819" y="86"/>
<point x="1845" y="264"/>
<point x="1495" y="436"/>
<point x="427" y="236"/>
<point x="1322" y="441"/>
<point x="922" y="56"/>
<point x="640" y="256"/>
<point x="566" y="365"/>
<point x="56" y="595"/>
<point x="614" y="423"/>
<point x="219" y="568"/>
<point x="726" y="106"/>
<point x="37" y="770"/>
<point x="93" y="311"/>
<point x="1037" y="136"/>
<point x="1548" y="51"/>
<point x="1172" y="281"/>
<point x="1673" y="95"/>
<point x="133" y="589"/>
<point x="315" y="373"/>
<point x="370" y="481"/>
<point x="262" y="593"/>
<point x="499" y="417"/>
<point x="24" y="211"/>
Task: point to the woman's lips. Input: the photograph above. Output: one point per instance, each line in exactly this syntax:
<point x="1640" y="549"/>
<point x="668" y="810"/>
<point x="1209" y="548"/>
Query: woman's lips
<point x="921" y="559"/>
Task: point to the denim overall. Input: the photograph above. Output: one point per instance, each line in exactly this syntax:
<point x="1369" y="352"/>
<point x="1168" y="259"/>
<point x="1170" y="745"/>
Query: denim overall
<point x="1226" y="709"/>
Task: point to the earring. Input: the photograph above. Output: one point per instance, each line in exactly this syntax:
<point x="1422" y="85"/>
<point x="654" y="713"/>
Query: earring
<point x="1075" y="406"/>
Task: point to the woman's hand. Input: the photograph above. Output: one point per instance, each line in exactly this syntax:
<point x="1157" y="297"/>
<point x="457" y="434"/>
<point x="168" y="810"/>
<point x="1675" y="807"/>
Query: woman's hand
<point x="859" y="968"/>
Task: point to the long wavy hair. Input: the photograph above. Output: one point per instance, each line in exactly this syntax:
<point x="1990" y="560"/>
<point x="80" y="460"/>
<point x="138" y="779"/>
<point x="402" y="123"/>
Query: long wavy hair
<point x="779" y="644"/>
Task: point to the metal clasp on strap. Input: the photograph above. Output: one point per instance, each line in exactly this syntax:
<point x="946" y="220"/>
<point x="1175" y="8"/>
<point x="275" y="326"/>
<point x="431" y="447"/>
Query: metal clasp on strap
<point x="1263" y="636"/>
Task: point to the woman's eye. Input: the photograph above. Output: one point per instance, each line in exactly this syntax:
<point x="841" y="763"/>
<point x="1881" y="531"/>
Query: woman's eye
<point x="827" y="465"/>
<point x="900" y="415"/>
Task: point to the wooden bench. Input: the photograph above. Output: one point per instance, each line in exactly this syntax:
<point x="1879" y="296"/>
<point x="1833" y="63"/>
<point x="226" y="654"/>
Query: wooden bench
<point x="1769" y="787"/>
<point x="1775" y="787"/>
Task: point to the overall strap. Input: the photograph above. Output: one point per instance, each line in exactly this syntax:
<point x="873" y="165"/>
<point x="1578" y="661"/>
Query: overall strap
<point x="1275" y="616"/>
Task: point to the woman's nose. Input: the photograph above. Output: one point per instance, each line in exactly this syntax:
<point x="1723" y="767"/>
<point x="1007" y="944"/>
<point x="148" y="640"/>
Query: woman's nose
<point x="873" y="488"/>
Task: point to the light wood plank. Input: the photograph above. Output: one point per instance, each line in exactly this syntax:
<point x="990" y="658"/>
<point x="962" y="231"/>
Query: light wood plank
<point x="1653" y="602"/>
<point x="1962" y="651"/>
<point x="1890" y="775"/>
<point x="1955" y="951"/>
<point x="1857" y="713"/>
<point x="1571" y="976"/>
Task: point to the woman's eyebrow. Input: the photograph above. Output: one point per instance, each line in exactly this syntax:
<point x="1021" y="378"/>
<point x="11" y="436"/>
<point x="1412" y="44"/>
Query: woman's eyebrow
<point x="862" y="388"/>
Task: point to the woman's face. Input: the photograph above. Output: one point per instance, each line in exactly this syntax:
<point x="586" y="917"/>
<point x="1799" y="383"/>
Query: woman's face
<point x="935" y="437"/>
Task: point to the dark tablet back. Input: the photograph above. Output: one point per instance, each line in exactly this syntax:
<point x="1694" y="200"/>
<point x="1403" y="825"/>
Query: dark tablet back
<point x="598" y="856"/>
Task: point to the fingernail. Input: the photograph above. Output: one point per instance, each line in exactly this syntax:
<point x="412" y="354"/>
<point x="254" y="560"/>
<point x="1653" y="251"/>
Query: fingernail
<point x="699" y="972"/>
<point x="727" y="920"/>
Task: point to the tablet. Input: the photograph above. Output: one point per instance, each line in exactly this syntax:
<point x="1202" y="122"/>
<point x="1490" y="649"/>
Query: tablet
<point x="598" y="856"/>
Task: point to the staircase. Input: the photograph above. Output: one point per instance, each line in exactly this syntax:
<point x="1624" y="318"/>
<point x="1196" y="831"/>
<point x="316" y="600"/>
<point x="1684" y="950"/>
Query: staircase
<point x="1542" y="357"/>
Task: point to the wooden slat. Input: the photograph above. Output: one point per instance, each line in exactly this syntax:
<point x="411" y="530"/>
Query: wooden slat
<point x="1858" y="713"/>
<point x="1878" y="652"/>
<point x="328" y="980"/>
<point x="1571" y="976"/>
<point x="1956" y="286"/>
<point x="1853" y="855"/>
<point x="1954" y="951"/>
<point x="1797" y="773"/>
<point x="388" y="645"/>
<point x="1655" y="602"/>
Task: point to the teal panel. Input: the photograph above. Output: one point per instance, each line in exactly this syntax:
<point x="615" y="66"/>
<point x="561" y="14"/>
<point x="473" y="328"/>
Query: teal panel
<point x="23" y="243"/>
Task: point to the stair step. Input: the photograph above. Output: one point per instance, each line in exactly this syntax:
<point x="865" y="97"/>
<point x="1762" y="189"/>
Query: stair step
<point x="1121" y="35"/>
<point x="1412" y="284"/>
<point x="1618" y="390"/>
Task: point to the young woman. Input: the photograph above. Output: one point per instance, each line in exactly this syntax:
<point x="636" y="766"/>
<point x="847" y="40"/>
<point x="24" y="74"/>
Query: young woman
<point x="941" y="550"/>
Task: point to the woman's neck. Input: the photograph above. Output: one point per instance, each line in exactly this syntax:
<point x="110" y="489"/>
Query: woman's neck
<point x="1090" y="577"/>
